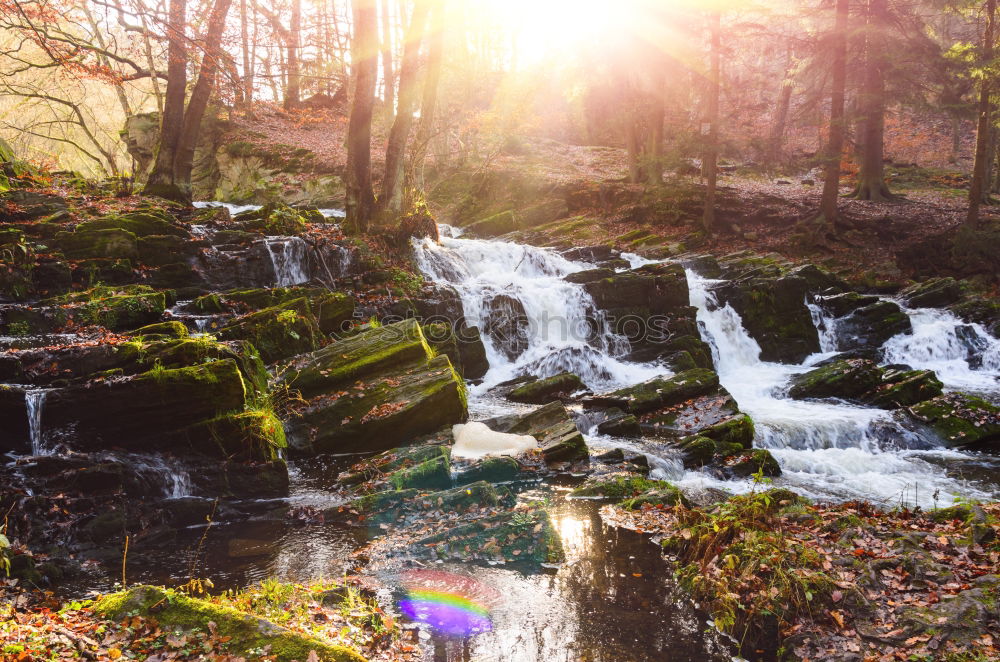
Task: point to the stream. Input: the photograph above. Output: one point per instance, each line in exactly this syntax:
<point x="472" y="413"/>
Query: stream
<point x="613" y="598"/>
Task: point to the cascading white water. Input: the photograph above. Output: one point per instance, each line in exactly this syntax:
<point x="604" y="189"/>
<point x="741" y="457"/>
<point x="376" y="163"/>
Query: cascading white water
<point x="963" y="355"/>
<point x="565" y="329"/>
<point x="826" y="327"/>
<point x="34" y="401"/>
<point x="291" y="264"/>
<point x="824" y="448"/>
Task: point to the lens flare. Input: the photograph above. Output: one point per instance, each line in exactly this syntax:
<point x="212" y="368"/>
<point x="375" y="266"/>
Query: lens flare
<point x="449" y="603"/>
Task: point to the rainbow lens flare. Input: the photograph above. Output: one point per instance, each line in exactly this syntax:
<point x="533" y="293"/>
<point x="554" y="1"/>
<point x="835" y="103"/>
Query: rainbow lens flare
<point x="449" y="603"/>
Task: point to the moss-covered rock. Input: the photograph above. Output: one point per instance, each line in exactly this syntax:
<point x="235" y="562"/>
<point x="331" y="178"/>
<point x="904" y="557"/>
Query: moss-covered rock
<point x="493" y="226"/>
<point x="697" y="450"/>
<point x="871" y="325"/>
<point x="738" y="430"/>
<point x="619" y="424"/>
<point x="557" y="387"/>
<point x="433" y="474"/>
<point x="490" y="470"/>
<point x="400" y="403"/>
<point x="961" y="419"/>
<point x="902" y="388"/>
<point x="633" y="490"/>
<point x="162" y="405"/>
<point x="933" y="293"/>
<point x="458" y="499"/>
<point x="246" y="634"/>
<point x="163" y="330"/>
<point x="754" y="461"/>
<point x="140" y="223"/>
<point x="98" y="243"/>
<point x="846" y="379"/>
<point x="355" y="358"/>
<point x="277" y="332"/>
<point x="660" y="391"/>
<point x="774" y="313"/>
<point x="376" y="468"/>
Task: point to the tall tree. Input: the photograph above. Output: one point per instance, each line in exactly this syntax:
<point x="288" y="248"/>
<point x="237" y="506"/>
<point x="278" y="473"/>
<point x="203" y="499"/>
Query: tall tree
<point x="292" y="59"/>
<point x="828" y="209"/>
<point x="161" y="177"/>
<point x="710" y="161"/>
<point x="247" y="82"/>
<point x="207" y="74"/>
<point x="388" y="77"/>
<point x="428" y="102"/>
<point x="360" y="199"/>
<point x="978" y="190"/>
<point x="871" y="178"/>
<point x="392" y="183"/>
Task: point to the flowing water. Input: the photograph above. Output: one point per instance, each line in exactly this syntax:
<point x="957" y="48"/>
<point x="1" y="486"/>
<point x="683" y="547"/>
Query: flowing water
<point x="34" y="401"/>
<point x="288" y="255"/>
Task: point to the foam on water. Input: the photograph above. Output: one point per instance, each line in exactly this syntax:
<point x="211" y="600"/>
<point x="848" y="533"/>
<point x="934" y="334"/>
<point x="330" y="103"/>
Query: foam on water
<point x="566" y="331"/>
<point x="963" y="355"/>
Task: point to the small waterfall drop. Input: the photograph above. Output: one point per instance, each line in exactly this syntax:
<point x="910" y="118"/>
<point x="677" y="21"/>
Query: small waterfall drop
<point x="291" y="264"/>
<point x="826" y="326"/>
<point x="824" y="448"/>
<point x="34" y="401"/>
<point x="963" y="355"/>
<point x="563" y="329"/>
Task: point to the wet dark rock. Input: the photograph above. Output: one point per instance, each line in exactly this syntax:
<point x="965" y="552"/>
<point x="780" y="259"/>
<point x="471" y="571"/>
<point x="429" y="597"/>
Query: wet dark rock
<point x="862" y="381"/>
<point x="819" y="280"/>
<point x="871" y="325"/>
<point x="34" y="205"/>
<point x="14" y="433"/>
<point x="933" y="293"/>
<point x="842" y="304"/>
<point x="619" y="424"/>
<point x="961" y="420"/>
<point x="373" y="391"/>
<point x="98" y="243"/>
<point x="541" y="391"/>
<point x="506" y="325"/>
<point x="659" y="392"/>
<point x="277" y="332"/>
<point x="559" y="438"/>
<point x="774" y="313"/>
<point x="751" y="462"/>
<point x="593" y="254"/>
<point x="491" y="470"/>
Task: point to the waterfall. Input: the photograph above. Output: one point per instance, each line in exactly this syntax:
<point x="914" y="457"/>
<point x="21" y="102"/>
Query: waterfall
<point x="824" y="448"/>
<point x="826" y="326"/>
<point x="562" y="328"/>
<point x="963" y="355"/>
<point x="288" y="255"/>
<point x="34" y="401"/>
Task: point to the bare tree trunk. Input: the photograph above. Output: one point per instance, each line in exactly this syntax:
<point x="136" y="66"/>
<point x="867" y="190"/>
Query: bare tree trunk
<point x="184" y="159"/>
<point x="657" y="115"/>
<point x="428" y="104"/>
<point x="776" y="140"/>
<point x="828" y="211"/>
<point x="392" y="184"/>
<point x="978" y="189"/>
<point x="161" y="177"/>
<point x="151" y="63"/>
<point x="871" y="178"/>
<point x="293" y="43"/>
<point x="247" y="62"/>
<point x="710" y="165"/>
<point x="364" y="62"/>
<point x="388" y="77"/>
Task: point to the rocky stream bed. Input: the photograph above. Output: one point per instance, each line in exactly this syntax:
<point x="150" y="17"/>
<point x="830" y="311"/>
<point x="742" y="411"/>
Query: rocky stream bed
<point x="254" y="396"/>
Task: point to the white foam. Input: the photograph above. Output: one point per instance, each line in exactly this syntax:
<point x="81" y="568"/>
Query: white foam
<point x="476" y="440"/>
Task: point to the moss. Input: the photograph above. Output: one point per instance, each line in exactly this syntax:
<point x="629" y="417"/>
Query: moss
<point x="102" y="243"/>
<point x="619" y="488"/>
<point x="670" y="496"/>
<point x="255" y="435"/>
<point x="960" y="419"/>
<point x="738" y="430"/>
<point x="121" y="312"/>
<point x="546" y="390"/>
<point x="140" y="224"/>
<point x="432" y="474"/>
<point x="750" y="462"/>
<point x="459" y="499"/>
<point x="660" y="392"/>
<point x="171" y="329"/>
<point x="698" y="450"/>
<point x="246" y="633"/>
<point x="846" y="379"/>
<point x="491" y="470"/>
<point x="279" y="331"/>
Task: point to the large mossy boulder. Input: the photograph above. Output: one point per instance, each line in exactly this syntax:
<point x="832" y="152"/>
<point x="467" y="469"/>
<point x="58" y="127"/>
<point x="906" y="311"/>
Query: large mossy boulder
<point x="558" y="437"/>
<point x="961" y="420"/>
<point x="98" y="243"/>
<point x="933" y="293"/>
<point x="140" y="223"/>
<point x="847" y="379"/>
<point x="278" y="332"/>
<point x="373" y="391"/>
<point x="862" y="381"/>
<point x="750" y="462"/>
<point x="620" y="488"/>
<point x="869" y="326"/>
<point x="659" y="392"/>
<point x="541" y="391"/>
<point x="243" y="633"/>
<point x="774" y="313"/>
<point x="199" y="409"/>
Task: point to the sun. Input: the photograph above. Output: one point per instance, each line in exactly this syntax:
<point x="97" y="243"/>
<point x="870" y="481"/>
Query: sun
<point x="542" y="29"/>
